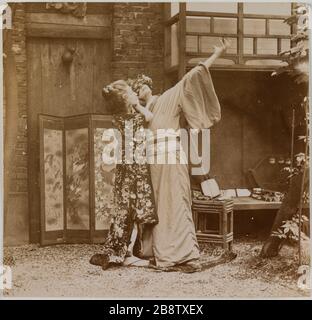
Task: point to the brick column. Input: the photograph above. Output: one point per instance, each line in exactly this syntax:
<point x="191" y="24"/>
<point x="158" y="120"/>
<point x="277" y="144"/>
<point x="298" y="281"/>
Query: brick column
<point x="138" y="41"/>
<point x="17" y="222"/>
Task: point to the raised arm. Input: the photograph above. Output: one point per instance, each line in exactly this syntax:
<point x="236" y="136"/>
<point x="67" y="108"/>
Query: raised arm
<point x="189" y="86"/>
<point x="197" y="96"/>
<point x="218" y="50"/>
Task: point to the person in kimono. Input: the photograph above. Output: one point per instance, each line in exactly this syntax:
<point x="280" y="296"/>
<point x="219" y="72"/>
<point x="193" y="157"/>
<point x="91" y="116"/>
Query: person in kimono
<point x="173" y="240"/>
<point x="133" y="194"/>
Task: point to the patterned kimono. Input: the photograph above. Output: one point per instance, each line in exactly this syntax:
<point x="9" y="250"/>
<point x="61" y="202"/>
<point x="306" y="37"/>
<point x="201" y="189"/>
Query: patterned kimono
<point x="133" y="193"/>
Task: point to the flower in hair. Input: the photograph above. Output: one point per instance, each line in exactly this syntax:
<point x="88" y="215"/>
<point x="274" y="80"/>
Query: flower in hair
<point x="136" y="84"/>
<point x="108" y="89"/>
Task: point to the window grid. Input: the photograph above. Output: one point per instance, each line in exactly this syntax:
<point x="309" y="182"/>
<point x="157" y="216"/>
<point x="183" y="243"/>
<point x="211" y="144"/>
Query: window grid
<point x="274" y="35"/>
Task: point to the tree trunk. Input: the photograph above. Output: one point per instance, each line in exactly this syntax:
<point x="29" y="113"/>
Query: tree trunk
<point x="288" y="208"/>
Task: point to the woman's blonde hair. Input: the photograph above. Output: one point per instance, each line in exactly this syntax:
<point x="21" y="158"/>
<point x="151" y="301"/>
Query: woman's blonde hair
<point x="116" y="94"/>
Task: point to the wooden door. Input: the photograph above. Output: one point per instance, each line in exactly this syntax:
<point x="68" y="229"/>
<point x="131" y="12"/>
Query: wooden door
<point x="61" y="89"/>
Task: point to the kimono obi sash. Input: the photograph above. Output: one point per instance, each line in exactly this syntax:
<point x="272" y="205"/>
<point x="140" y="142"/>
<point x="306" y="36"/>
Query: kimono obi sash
<point x="164" y="143"/>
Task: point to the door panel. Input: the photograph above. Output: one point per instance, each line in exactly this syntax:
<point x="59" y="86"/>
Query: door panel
<point x="61" y="89"/>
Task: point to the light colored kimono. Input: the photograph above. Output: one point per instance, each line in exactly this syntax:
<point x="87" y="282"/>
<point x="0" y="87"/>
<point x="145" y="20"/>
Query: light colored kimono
<point x="173" y="240"/>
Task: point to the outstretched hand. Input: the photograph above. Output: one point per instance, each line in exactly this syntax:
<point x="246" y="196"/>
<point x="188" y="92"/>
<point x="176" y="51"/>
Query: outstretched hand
<point x="224" y="45"/>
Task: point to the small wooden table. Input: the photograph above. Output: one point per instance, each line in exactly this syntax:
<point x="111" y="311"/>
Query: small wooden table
<point x="222" y="232"/>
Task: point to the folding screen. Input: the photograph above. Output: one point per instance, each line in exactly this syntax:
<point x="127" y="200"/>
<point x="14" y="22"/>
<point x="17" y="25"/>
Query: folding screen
<point x="76" y="185"/>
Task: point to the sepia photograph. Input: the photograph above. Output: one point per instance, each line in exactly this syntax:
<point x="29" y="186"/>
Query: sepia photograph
<point x="155" y="150"/>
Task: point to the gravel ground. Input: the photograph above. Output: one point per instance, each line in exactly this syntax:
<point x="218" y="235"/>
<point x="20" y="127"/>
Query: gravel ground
<point x="64" y="271"/>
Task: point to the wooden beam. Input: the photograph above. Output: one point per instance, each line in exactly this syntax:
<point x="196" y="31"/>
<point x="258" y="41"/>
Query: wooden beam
<point x="34" y="103"/>
<point x="212" y="24"/>
<point x="182" y="39"/>
<point x="92" y="8"/>
<point x="172" y="20"/>
<point x="48" y="30"/>
<point x="279" y="46"/>
<point x="211" y="34"/>
<point x="167" y="37"/>
<point x="99" y="20"/>
<point x="236" y="67"/>
<point x="262" y="56"/>
<point x="199" y="46"/>
<point x="266" y="36"/>
<point x="210" y="14"/>
<point x="231" y="56"/>
<point x="203" y="54"/>
<point x="255" y="46"/>
<point x="267" y="27"/>
<point x="240" y="32"/>
<point x="233" y="15"/>
<point x="230" y="35"/>
<point x="264" y="16"/>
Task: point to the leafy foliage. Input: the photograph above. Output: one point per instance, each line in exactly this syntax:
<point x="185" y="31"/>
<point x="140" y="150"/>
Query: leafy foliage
<point x="290" y="229"/>
<point x="297" y="59"/>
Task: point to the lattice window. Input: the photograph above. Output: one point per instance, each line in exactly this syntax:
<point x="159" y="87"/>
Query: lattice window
<point x="257" y="32"/>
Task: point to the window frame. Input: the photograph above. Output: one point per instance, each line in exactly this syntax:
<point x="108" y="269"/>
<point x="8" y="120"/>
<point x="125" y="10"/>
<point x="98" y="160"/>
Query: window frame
<point x="240" y="58"/>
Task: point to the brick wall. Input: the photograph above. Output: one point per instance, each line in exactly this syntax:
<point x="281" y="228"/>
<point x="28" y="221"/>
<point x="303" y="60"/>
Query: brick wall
<point x="19" y="176"/>
<point x="17" y="218"/>
<point x="138" y="41"/>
